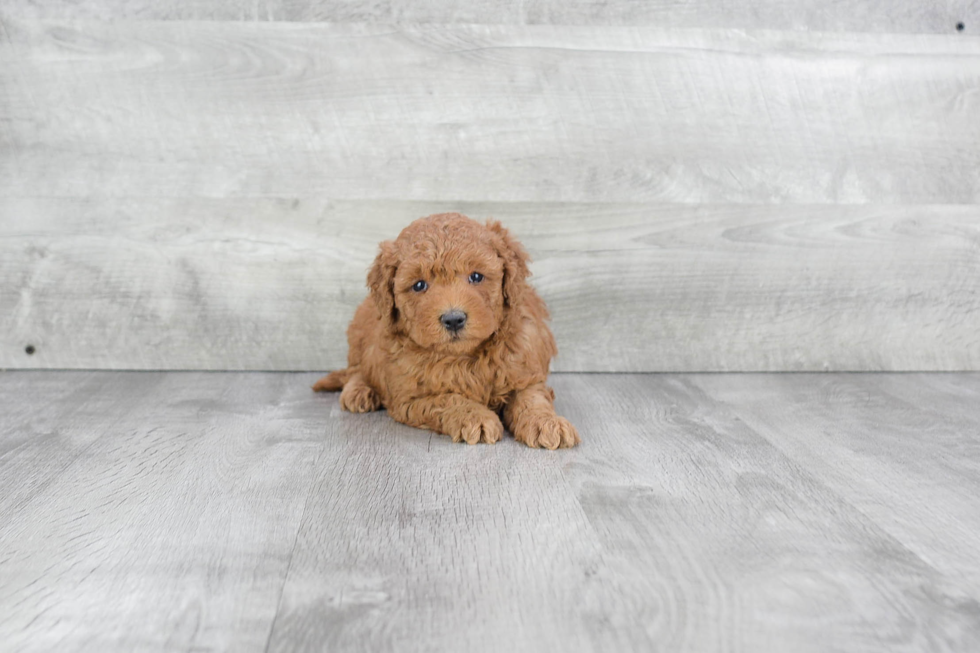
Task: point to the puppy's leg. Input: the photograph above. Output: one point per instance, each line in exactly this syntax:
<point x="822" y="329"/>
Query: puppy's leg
<point x="460" y="418"/>
<point x="358" y="397"/>
<point x="530" y="416"/>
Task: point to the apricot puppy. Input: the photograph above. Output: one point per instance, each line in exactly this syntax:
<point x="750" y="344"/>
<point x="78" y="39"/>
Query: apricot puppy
<point x="452" y="338"/>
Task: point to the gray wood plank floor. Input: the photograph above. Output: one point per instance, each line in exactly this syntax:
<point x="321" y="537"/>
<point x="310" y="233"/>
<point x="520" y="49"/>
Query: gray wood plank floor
<point x="239" y="511"/>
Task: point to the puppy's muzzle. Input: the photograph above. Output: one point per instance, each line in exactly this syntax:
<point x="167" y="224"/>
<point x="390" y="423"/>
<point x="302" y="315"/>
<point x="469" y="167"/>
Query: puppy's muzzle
<point x="453" y="320"/>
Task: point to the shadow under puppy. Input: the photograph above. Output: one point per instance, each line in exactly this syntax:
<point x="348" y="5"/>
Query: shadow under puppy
<point x="451" y="336"/>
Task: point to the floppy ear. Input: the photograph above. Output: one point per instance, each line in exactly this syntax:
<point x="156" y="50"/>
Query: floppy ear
<point x="381" y="281"/>
<point x="515" y="262"/>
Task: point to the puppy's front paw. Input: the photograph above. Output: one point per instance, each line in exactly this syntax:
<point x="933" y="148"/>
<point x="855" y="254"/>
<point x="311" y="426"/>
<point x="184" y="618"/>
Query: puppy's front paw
<point x="359" y="398"/>
<point x="546" y="431"/>
<point x="477" y="426"/>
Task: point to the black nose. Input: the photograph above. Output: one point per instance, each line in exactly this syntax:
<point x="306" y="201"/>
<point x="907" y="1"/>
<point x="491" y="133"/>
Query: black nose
<point x="453" y="320"/>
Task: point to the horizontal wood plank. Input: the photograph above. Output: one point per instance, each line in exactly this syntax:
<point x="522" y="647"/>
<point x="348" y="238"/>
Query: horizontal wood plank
<point x="858" y="16"/>
<point x="271" y="284"/>
<point x="486" y="113"/>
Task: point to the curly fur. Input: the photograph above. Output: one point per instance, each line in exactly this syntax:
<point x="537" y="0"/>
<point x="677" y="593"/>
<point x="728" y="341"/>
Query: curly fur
<point x="402" y="358"/>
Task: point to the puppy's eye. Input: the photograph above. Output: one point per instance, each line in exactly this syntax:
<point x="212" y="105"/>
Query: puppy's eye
<point x="420" y="286"/>
<point x="476" y="277"/>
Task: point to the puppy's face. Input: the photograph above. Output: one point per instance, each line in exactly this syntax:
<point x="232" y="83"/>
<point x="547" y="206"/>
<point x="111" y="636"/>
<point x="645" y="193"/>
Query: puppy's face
<point x="454" y="301"/>
<point x="447" y="282"/>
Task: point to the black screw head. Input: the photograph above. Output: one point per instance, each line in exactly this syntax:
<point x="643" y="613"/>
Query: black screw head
<point x="960" y="27"/>
<point x="30" y="350"/>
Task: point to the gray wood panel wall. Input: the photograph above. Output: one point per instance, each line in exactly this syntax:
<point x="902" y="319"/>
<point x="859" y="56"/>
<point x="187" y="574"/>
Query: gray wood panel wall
<point x="856" y="16"/>
<point x="792" y="186"/>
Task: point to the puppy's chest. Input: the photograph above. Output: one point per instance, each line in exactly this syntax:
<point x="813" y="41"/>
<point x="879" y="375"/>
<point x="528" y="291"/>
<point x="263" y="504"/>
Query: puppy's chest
<point x="474" y="379"/>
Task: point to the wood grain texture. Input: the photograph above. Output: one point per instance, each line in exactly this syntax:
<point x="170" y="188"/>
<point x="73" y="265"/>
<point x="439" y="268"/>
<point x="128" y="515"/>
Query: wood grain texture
<point x="733" y="513"/>
<point x="150" y="283"/>
<point x="411" y="542"/>
<point x="486" y="113"/>
<point x="857" y="16"/>
<point x="726" y="541"/>
<point x="166" y="516"/>
<point x="921" y="433"/>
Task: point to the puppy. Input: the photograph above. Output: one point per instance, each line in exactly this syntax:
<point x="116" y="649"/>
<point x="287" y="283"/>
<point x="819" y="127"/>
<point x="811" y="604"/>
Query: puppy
<point x="452" y="338"/>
